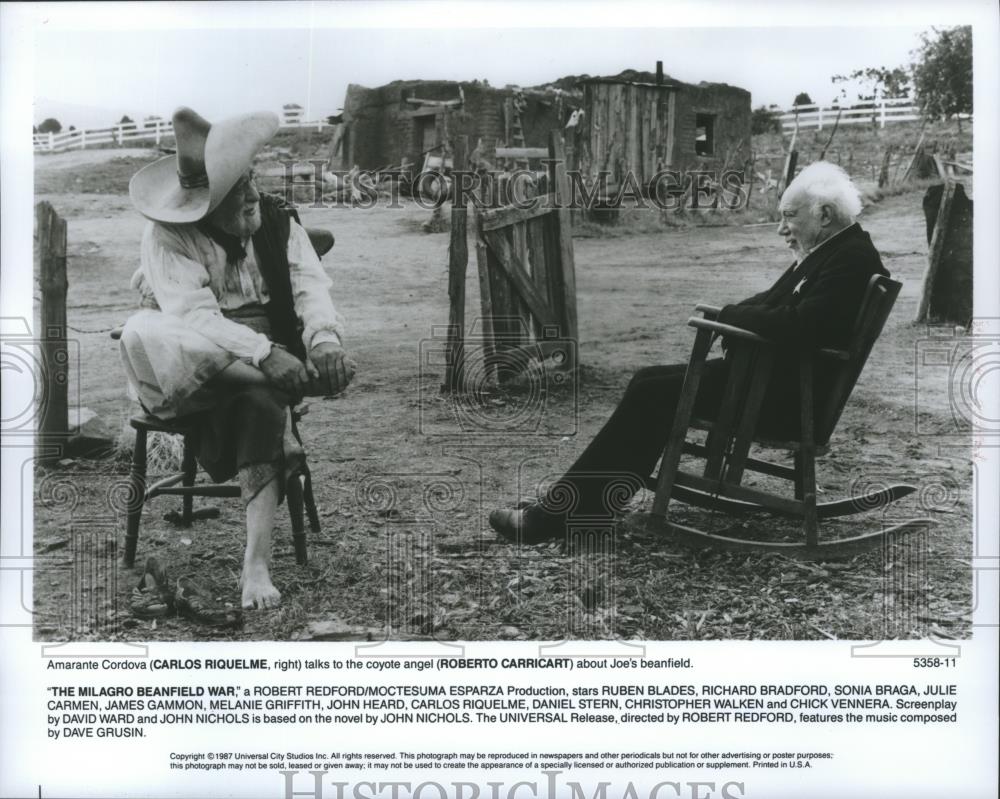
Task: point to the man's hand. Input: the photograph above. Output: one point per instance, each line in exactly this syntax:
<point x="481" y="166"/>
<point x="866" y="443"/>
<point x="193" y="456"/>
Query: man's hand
<point x="331" y="367"/>
<point x="286" y="372"/>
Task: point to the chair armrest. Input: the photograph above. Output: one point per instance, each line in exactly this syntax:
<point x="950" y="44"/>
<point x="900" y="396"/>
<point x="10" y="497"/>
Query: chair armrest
<point x="727" y="330"/>
<point x="840" y="355"/>
<point x="710" y="311"/>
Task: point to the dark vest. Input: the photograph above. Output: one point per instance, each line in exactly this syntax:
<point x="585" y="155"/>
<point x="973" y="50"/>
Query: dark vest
<point x="270" y="244"/>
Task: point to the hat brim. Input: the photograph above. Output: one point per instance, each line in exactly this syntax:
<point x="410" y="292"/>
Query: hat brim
<point x="158" y="195"/>
<point x="229" y="151"/>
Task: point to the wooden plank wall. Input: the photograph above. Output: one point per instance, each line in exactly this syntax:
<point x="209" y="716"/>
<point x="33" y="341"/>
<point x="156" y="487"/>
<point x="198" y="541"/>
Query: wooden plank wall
<point x="628" y="128"/>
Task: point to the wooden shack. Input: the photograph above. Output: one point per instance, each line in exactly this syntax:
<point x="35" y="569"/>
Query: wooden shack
<point x="404" y="121"/>
<point x="647" y="122"/>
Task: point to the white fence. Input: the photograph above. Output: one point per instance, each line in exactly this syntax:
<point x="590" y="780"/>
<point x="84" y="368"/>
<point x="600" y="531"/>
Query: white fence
<point x="129" y="132"/>
<point x="881" y="111"/>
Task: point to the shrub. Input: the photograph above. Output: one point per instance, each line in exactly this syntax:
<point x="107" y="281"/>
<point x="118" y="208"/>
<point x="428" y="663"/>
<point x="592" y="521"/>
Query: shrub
<point x="764" y="120"/>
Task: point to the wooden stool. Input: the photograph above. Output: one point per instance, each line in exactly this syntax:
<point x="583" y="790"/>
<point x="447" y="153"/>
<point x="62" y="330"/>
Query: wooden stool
<point x="298" y="493"/>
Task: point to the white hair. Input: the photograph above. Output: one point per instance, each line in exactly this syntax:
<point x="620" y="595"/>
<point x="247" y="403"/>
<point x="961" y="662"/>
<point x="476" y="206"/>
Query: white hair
<point x="823" y="183"/>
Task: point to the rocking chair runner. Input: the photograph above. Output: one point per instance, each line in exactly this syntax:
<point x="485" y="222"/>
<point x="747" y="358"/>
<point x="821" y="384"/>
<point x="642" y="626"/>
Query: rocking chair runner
<point x="734" y="429"/>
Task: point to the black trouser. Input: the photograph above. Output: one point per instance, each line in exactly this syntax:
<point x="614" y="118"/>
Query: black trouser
<point x="622" y="455"/>
<point x="246" y="428"/>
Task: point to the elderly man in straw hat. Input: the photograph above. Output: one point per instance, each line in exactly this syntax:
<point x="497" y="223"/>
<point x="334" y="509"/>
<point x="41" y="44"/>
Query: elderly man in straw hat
<point x="237" y="320"/>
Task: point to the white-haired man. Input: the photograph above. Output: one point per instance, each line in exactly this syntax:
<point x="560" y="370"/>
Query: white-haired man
<point x="237" y="324"/>
<point x="814" y="303"/>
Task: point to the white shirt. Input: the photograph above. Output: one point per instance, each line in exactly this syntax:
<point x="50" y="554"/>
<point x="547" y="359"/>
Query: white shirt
<point x="186" y="273"/>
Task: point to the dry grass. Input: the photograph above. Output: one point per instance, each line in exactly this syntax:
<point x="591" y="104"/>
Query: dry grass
<point x="420" y="562"/>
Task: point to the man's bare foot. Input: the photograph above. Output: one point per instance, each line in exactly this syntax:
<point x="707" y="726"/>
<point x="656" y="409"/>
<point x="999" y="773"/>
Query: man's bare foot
<point x="258" y="590"/>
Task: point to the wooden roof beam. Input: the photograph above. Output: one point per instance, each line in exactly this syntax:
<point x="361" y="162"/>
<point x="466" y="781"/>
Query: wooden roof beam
<point x="439" y="103"/>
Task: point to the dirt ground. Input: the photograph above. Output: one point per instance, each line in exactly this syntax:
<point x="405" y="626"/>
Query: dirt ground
<point x="405" y="480"/>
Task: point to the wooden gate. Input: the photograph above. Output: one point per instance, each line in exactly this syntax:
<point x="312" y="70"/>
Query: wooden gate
<point x="527" y="279"/>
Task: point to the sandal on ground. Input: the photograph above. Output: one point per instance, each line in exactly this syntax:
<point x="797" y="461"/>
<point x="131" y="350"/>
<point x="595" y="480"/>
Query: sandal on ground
<point x="151" y="597"/>
<point x="195" y="602"/>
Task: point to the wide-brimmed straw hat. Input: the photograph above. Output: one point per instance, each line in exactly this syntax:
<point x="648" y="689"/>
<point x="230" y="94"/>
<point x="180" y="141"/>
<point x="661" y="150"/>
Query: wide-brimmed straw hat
<point x="209" y="160"/>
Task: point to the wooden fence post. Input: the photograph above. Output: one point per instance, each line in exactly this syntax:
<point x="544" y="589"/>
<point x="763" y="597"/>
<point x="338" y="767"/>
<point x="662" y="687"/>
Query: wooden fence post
<point x="458" y="261"/>
<point x="560" y="186"/>
<point x="157" y="123"/>
<point x="790" y="164"/>
<point x="749" y="184"/>
<point x="883" y="175"/>
<point x="51" y="233"/>
<point x="487" y="327"/>
<point x="52" y="141"/>
<point x="935" y="250"/>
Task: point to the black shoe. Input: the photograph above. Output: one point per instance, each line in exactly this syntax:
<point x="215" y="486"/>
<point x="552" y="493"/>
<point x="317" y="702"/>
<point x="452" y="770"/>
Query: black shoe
<point x="527" y="525"/>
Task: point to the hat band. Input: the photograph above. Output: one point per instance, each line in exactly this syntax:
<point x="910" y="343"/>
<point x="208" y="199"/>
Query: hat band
<point x="195" y="181"/>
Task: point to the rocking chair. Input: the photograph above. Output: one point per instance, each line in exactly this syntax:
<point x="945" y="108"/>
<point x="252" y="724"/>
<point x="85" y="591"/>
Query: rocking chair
<point x="734" y="429"/>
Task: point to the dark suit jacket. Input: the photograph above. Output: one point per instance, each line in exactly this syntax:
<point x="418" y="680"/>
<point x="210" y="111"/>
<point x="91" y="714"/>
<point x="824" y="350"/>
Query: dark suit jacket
<point x="812" y="306"/>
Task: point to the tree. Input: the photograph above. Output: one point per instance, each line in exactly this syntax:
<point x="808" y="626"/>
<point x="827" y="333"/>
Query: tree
<point x="942" y="74"/>
<point x="876" y="83"/>
<point x="50" y="125"/>
<point x="803" y="98"/>
<point x="764" y="120"/>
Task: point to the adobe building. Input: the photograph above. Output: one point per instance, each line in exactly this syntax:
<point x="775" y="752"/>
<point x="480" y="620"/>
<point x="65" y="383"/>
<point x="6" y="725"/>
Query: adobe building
<point x="644" y="122"/>
<point x="406" y="120"/>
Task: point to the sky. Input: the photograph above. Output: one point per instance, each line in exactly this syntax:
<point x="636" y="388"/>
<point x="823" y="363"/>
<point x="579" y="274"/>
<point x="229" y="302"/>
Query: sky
<point x="239" y="63"/>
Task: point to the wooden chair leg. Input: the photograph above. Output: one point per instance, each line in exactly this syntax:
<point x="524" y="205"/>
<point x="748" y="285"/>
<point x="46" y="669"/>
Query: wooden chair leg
<point x="720" y="437"/>
<point x="137" y="497"/>
<point x="743" y="437"/>
<point x="189" y="467"/>
<point x="807" y="453"/>
<point x="293" y="496"/>
<point x="678" y="430"/>
<point x="810" y="521"/>
<point x="798" y="475"/>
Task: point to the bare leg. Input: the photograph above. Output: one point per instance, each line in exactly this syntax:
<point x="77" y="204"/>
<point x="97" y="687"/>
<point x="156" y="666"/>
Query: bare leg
<point x="242" y="373"/>
<point x="258" y="590"/>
